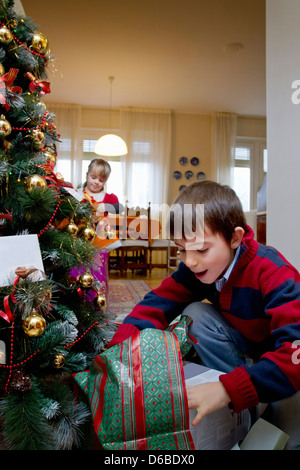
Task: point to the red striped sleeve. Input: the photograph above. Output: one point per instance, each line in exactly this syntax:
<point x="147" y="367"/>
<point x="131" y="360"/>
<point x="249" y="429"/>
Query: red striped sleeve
<point x="283" y="358"/>
<point x="240" y="389"/>
<point x="151" y="314"/>
<point x="170" y="289"/>
<point x="123" y="332"/>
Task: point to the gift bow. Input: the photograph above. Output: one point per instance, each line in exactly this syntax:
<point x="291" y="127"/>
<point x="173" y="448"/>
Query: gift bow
<point x="8" y="79"/>
<point x="42" y="87"/>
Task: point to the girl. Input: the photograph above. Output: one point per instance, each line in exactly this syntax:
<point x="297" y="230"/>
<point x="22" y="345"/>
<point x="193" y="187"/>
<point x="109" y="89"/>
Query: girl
<point x="93" y="189"/>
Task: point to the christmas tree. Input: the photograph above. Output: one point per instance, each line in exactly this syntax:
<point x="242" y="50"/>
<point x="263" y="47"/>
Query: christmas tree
<point x="53" y="322"/>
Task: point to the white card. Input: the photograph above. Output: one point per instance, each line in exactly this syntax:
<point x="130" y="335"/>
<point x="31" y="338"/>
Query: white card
<point x="17" y="251"/>
<point x="74" y="193"/>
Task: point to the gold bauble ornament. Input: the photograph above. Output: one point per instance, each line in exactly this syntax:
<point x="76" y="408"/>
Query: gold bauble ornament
<point x="50" y="157"/>
<point x="38" y="138"/>
<point x="72" y="228"/>
<point x="101" y="301"/>
<point x="35" y="181"/>
<point x="51" y="148"/>
<point x="2" y="70"/>
<point x="5" y="35"/>
<point x="34" y="324"/>
<point x="40" y="108"/>
<point x="39" y="42"/>
<point x="58" y="361"/>
<point x="88" y="234"/>
<point x="86" y="279"/>
<point x="5" y="127"/>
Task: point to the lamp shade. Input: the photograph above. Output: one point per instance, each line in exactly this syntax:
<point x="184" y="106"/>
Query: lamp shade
<point x="110" y="145"/>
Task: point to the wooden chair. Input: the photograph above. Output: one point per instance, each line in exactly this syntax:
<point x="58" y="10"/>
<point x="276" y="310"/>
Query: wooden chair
<point x="158" y="246"/>
<point x="133" y="254"/>
<point x="167" y="248"/>
<point x="173" y="257"/>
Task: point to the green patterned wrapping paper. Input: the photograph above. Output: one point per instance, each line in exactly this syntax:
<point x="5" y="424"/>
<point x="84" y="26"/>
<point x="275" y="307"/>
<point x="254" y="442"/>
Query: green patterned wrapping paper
<point x="136" y="392"/>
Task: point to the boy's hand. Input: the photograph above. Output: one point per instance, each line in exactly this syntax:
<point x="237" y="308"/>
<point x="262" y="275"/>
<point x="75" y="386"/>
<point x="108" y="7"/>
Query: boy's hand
<point x="207" y="398"/>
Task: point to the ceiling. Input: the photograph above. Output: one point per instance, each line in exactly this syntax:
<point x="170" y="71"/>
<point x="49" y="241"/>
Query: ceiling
<point x="163" y="53"/>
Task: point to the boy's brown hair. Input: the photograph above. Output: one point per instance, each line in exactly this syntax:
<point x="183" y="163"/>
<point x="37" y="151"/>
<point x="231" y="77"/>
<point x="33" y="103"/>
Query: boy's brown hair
<point x="223" y="210"/>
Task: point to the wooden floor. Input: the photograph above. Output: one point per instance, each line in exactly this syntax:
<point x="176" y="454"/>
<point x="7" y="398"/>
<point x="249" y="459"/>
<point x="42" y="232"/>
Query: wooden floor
<point x="154" y="279"/>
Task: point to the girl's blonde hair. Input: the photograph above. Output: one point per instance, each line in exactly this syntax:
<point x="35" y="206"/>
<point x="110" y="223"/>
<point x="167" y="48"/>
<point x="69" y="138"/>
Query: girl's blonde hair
<point x="100" y="166"/>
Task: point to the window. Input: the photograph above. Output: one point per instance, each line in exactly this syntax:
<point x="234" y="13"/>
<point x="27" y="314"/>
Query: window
<point x="249" y="170"/>
<point x="63" y="165"/>
<point x="141" y="172"/>
<point x="141" y="169"/>
<point x="242" y="176"/>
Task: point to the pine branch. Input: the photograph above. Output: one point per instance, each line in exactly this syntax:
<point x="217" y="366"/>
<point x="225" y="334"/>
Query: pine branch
<point x="24" y="425"/>
<point x="76" y="362"/>
<point x="31" y="210"/>
<point x="34" y="295"/>
<point x="65" y="313"/>
<point x="65" y="251"/>
<point x="66" y="427"/>
<point x="56" y="336"/>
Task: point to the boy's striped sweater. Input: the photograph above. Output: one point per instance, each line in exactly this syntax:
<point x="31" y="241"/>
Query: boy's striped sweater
<point x="261" y="299"/>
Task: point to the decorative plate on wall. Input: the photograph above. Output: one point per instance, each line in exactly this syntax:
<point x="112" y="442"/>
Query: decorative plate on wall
<point x="183" y="161"/>
<point x="189" y="174"/>
<point x="201" y="176"/>
<point x="177" y="175"/>
<point x="195" y="161"/>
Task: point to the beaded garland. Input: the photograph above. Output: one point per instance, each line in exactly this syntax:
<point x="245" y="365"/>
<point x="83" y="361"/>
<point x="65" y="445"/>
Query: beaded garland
<point x="23" y="45"/>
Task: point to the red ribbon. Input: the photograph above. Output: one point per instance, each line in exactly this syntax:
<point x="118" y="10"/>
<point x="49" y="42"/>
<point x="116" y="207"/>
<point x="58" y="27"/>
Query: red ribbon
<point x="7" y="314"/>
<point x="53" y="181"/>
<point x="48" y="168"/>
<point x="6" y="216"/>
<point x="40" y="86"/>
<point x="5" y="82"/>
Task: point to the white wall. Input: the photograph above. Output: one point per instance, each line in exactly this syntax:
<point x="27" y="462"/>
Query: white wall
<point x="283" y="127"/>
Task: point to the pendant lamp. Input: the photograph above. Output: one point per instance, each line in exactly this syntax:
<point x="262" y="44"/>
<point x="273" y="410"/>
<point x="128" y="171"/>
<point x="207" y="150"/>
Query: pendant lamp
<point x="110" y="145"/>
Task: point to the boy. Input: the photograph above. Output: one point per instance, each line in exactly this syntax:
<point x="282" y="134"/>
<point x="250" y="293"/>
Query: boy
<point x="254" y="308"/>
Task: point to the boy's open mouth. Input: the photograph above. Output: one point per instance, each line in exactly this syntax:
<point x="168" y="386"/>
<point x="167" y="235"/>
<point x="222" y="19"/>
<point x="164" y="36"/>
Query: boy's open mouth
<point x="201" y="274"/>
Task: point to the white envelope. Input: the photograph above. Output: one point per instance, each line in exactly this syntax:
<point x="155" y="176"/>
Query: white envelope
<point x="17" y="251"/>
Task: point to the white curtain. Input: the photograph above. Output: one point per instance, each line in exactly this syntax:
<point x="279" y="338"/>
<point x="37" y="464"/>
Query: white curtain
<point x="146" y="167"/>
<point x="69" y="152"/>
<point x="224" y="129"/>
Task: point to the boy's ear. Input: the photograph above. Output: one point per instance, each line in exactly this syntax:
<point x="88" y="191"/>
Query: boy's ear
<point x="237" y="237"/>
